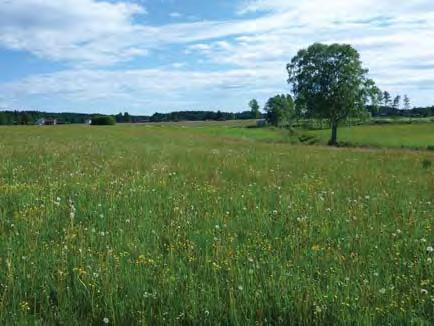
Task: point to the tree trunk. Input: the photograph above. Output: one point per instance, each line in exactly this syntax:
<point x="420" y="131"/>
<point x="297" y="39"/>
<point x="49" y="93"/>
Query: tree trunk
<point x="334" y="140"/>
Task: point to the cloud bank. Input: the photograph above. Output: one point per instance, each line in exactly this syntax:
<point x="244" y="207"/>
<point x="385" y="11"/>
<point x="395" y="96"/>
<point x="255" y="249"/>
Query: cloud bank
<point x="113" y="54"/>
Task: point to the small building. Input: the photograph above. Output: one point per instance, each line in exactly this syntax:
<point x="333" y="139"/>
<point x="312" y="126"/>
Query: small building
<point x="46" y="122"/>
<point x="261" y="123"/>
<point x="88" y="122"/>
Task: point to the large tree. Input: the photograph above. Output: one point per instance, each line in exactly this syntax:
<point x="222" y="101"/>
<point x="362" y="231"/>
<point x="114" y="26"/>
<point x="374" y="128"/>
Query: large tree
<point x="254" y="106"/>
<point x="329" y="82"/>
<point x="387" y="98"/>
<point x="280" y="110"/>
<point x="397" y="102"/>
<point x="407" y="105"/>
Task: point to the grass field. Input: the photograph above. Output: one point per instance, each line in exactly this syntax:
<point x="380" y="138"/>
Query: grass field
<point x="410" y="136"/>
<point x="417" y="136"/>
<point x="176" y="225"/>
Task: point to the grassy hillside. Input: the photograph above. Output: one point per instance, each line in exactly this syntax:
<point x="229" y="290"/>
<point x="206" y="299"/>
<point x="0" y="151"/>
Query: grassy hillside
<point x="171" y="225"/>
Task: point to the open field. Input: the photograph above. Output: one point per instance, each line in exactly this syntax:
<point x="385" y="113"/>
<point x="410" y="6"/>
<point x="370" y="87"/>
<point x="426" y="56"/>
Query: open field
<point x="410" y="136"/>
<point x="417" y="136"/>
<point x="176" y="225"/>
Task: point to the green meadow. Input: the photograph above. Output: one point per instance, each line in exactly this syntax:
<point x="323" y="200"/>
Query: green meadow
<point x="416" y="136"/>
<point x="215" y="224"/>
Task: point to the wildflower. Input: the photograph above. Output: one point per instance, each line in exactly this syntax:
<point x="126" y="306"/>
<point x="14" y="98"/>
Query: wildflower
<point x="25" y="306"/>
<point x="430" y="249"/>
<point x="315" y="247"/>
<point x="240" y="288"/>
<point x="105" y="320"/>
<point x="382" y="291"/>
<point x="424" y="291"/>
<point x="217" y="227"/>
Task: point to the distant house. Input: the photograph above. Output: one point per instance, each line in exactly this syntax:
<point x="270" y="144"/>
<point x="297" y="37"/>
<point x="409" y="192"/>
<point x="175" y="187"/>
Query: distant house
<point x="261" y="123"/>
<point x="46" y="122"/>
<point x="88" y="121"/>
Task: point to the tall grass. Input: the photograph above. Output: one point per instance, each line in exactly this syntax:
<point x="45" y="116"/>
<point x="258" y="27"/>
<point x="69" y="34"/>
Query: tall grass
<point x="416" y="136"/>
<point x="163" y="225"/>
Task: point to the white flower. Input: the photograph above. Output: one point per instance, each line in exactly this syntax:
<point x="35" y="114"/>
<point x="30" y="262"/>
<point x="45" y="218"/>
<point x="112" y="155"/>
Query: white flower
<point x="430" y="249"/>
<point x="240" y="288"/>
<point x="105" y="320"/>
<point x="382" y="291"/>
<point x="424" y="291"/>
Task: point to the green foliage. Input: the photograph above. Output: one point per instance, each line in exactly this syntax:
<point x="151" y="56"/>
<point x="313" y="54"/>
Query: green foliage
<point x="103" y="120"/>
<point x="254" y="106"/>
<point x="397" y="102"/>
<point x="280" y="110"/>
<point x="328" y="81"/>
<point x="387" y="98"/>
<point x="162" y="225"/>
<point x="407" y="105"/>
<point x="200" y="116"/>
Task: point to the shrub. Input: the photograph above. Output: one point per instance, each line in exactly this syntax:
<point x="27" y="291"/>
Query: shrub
<point x="426" y="163"/>
<point x="103" y="120"/>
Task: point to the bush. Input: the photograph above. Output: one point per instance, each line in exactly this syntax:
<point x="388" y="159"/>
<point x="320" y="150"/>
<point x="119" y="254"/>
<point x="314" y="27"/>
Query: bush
<point x="103" y="120"/>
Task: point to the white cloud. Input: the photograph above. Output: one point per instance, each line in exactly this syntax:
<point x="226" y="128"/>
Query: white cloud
<point x="250" y="51"/>
<point x="77" y="30"/>
<point x="161" y="87"/>
<point x="175" y="14"/>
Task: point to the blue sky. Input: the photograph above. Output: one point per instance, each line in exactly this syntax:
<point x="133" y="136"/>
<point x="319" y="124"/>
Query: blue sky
<point x="146" y="56"/>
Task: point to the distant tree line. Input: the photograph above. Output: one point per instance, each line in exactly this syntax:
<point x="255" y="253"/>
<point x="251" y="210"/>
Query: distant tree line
<point x="398" y="106"/>
<point x="9" y="117"/>
<point x="202" y="116"/>
<point x="30" y="117"/>
<point x="279" y="110"/>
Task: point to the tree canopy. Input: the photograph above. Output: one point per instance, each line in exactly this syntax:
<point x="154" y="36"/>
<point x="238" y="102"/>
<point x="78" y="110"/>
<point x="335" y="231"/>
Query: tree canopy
<point x="279" y="110"/>
<point x="328" y="81"/>
<point x="254" y="106"/>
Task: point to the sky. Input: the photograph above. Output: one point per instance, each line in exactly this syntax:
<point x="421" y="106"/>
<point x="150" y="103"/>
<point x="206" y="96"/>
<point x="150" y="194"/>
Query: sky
<point x="146" y="56"/>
